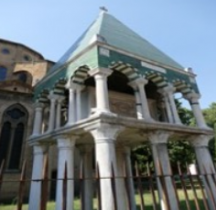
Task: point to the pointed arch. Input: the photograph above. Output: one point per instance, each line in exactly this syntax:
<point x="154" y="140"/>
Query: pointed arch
<point x="12" y="135"/>
<point x="157" y="78"/>
<point x="126" y="69"/>
<point x="181" y="86"/>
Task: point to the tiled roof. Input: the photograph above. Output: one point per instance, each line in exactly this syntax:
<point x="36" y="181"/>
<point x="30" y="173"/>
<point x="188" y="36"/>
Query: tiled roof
<point x="116" y="34"/>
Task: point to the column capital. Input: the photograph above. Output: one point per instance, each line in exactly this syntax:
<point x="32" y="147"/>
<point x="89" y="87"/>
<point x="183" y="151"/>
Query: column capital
<point x="192" y="97"/>
<point x="138" y="82"/>
<point x="52" y="96"/>
<point x="105" y="132"/>
<point x="100" y="71"/>
<point x="66" y="142"/>
<point x="74" y="86"/>
<point x="39" y="149"/>
<point x="201" y="140"/>
<point x="60" y="99"/>
<point x="39" y="105"/>
<point x="167" y="90"/>
<point x="159" y="137"/>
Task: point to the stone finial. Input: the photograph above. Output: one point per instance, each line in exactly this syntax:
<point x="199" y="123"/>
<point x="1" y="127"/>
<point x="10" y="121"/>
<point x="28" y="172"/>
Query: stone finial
<point x="189" y="69"/>
<point x="103" y="9"/>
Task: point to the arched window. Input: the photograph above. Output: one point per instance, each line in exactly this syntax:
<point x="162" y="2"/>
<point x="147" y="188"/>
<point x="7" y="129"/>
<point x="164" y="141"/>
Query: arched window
<point x="23" y="77"/>
<point x="12" y="134"/>
<point x="3" y="73"/>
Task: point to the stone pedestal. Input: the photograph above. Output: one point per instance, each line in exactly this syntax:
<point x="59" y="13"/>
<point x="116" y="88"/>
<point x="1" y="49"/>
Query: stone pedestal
<point x="205" y="164"/>
<point x="158" y="141"/>
<point x="35" y="189"/>
<point x="126" y="200"/>
<point x="65" y="157"/>
<point x="104" y="137"/>
<point x="86" y="164"/>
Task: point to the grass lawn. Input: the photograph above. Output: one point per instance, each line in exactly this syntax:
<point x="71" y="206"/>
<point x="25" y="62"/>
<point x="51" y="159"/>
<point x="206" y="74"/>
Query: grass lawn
<point x="147" y="199"/>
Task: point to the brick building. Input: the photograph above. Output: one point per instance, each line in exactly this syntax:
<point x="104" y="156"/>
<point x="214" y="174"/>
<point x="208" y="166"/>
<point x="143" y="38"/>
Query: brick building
<point x="20" y="69"/>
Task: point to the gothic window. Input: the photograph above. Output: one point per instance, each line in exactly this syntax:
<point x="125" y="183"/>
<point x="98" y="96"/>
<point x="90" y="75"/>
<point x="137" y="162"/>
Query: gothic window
<point x="3" y="73"/>
<point x="12" y="134"/>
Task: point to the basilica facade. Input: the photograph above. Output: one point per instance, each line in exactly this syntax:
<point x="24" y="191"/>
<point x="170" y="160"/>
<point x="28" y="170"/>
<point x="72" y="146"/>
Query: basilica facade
<point x="20" y="69"/>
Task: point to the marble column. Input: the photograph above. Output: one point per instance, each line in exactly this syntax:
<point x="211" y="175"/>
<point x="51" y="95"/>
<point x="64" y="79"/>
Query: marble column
<point x="104" y="137"/>
<point x="65" y="146"/>
<point x="52" y="112"/>
<point x="71" y="103"/>
<point x="205" y="164"/>
<point x="193" y="98"/>
<point x="168" y="92"/>
<point x="168" y="109"/>
<point x="158" y="141"/>
<point x="79" y="102"/>
<point x="35" y="189"/>
<point x="87" y="160"/>
<point x="102" y="97"/>
<point x="126" y="201"/>
<point x="138" y="101"/>
<point x="37" y="126"/>
<point x="139" y="85"/>
<point x="58" y="112"/>
<point x="121" y="188"/>
<point x="127" y="154"/>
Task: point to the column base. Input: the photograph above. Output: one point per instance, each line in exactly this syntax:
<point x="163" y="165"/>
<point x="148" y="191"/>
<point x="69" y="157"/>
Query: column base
<point x="205" y="127"/>
<point x="96" y="112"/>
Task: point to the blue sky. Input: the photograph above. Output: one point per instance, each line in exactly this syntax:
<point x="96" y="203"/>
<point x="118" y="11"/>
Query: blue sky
<point x="183" y="29"/>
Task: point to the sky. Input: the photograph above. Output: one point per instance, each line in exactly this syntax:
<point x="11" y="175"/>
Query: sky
<point x="183" y="29"/>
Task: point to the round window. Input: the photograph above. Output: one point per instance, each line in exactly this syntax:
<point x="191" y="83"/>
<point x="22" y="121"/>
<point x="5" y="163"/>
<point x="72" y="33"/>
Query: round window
<point x="5" y="51"/>
<point x="27" y="58"/>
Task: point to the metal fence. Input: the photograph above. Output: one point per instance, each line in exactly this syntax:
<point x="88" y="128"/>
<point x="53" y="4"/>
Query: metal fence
<point x="189" y="189"/>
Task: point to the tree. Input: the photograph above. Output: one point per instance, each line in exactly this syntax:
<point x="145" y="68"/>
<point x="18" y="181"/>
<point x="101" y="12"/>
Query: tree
<point x="179" y="150"/>
<point x="210" y="117"/>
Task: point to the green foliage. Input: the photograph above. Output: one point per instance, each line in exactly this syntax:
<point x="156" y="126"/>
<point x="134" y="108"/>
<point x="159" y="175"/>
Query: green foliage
<point x="210" y="115"/>
<point x="142" y="156"/>
<point x="210" y="118"/>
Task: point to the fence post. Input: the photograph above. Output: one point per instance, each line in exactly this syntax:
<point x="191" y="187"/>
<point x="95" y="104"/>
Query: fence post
<point x="44" y="184"/>
<point x="64" y="188"/>
<point x="21" y="187"/>
<point x="1" y="174"/>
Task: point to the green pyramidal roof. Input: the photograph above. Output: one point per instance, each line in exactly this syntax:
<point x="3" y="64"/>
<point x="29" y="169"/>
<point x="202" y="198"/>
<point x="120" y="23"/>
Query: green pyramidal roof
<point x="116" y="34"/>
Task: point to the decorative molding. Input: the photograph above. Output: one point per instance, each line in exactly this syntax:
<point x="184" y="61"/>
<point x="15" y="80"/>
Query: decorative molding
<point x="156" y="68"/>
<point x="104" y="51"/>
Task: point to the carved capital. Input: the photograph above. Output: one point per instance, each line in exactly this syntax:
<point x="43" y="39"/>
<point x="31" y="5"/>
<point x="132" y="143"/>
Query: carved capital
<point x="66" y="142"/>
<point x="192" y="97"/>
<point x="201" y="140"/>
<point x="39" y="149"/>
<point x="159" y="137"/>
<point x="100" y="71"/>
<point x="137" y="83"/>
<point x="38" y="105"/>
<point x="105" y="132"/>
<point x="169" y="89"/>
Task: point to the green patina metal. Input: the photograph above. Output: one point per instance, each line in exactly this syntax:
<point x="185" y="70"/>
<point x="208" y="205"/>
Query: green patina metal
<point x="113" y="33"/>
<point x="170" y="74"/>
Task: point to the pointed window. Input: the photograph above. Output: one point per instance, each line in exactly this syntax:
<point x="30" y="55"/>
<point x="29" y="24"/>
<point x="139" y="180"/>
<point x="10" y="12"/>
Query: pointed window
<point x="12" y="135"/>
<point x="3" y="73"/>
